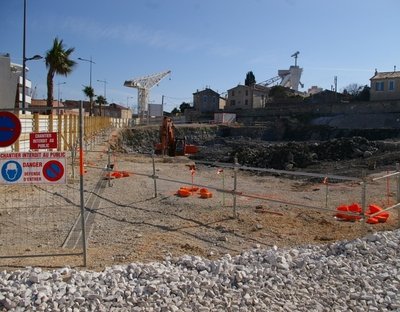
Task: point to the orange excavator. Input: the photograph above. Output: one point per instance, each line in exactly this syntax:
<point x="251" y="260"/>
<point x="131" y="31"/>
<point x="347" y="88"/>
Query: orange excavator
<point x="169" y="144"/>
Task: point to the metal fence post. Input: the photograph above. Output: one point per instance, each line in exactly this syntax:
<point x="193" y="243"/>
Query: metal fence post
<point x="109" y="166"/>
<point x="326" y="192"/>
<point x="398" y="193"/>
<point x="82" y="198"/>
<point x="154" y="175"/>
<point x="363" y="199"/>
<point x="235" y="170"/>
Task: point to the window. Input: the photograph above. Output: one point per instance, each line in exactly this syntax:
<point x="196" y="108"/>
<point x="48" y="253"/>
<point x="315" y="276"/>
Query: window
<point x="232" y="102"/>
<point x="391" y="85"/>
<point x="205" y="99"/>
<point x="233" y="93"/>
<point x="379" y="86"/>
<point x="247" y="92"/>
<point x="246" y="102"/>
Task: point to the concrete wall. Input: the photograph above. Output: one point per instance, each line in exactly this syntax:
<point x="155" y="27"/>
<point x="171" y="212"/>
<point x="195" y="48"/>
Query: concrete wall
<point x="383" y="114"/>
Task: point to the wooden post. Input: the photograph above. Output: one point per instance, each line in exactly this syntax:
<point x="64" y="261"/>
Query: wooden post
<point x="59" y="131"/>
<point x="65" y="128"/>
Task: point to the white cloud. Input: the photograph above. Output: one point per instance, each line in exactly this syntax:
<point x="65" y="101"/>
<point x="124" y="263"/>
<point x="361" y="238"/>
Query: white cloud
<point x="132" y="34"/>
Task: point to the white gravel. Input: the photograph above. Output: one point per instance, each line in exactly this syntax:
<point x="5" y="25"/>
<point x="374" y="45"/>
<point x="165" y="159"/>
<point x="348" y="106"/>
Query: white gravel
<point x="359" y="275"/>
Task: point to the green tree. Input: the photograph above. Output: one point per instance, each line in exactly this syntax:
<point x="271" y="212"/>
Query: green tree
<point x="184" y="106"/>
<point x="250" y="79"/>
<point x="58" y="62"/>
<point x="89" y="92"/>
<point x="101" y="100"/>
<point x="364" y="94"/>
<point x="175" y="111"/>
<point x="278" y="92"/>
<point x="357" y="92"/>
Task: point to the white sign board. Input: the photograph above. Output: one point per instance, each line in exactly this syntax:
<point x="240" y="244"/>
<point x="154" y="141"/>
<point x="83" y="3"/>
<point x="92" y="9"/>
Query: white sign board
<point x="33" y="168"/>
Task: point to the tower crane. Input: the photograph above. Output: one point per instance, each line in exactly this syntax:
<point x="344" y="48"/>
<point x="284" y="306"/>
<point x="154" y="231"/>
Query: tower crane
<point x="290" y="78"/>
<point x="144" y="84"/>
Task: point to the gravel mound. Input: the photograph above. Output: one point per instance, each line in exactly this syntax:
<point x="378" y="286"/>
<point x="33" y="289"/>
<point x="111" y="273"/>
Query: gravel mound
<point x="359" y="275"/>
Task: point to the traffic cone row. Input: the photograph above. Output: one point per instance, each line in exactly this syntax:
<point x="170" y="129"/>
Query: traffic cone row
<point x="353" y="213"/>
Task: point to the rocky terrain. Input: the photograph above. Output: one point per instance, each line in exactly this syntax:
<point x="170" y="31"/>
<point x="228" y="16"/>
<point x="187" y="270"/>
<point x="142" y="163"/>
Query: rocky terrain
<point x="216" y="144"/>
<point x="359" y="275"/>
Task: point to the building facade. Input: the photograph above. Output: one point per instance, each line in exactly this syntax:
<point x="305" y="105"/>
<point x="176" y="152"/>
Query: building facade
<point x="208" y="101"/>
<point x="385" y="86"/>
<point x="247" y="97"/>
<point x="11" y="84"/>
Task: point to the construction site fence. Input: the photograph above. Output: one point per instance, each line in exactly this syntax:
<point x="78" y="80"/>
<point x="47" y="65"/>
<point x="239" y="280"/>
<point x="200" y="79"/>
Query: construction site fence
<point x="383" y="189"/>
<point x="66" y="126"/>
<point x="37" y="219"/>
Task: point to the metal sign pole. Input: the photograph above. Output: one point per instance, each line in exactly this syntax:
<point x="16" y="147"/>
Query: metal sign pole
<point x="235" y="170"/>
<point x="82" y="198"/>
<point x="154" y="175"/>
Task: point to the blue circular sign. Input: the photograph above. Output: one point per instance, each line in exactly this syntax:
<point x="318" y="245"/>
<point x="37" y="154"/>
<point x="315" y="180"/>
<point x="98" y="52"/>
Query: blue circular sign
<point x="10" y="128"/>
<point x="11" y="171"/>
<point x="53" y="170"/>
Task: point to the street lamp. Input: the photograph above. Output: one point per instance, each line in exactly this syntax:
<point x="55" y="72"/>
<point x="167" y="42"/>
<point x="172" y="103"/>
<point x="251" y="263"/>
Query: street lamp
<point x="24" y="59"/>
<point x="91" y="62"/>
<point x="105" y="87"/>
<point x="58" y="91"/>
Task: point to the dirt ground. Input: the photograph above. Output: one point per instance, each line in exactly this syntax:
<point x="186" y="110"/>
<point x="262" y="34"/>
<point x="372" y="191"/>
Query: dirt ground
<point x="131" y="224"/>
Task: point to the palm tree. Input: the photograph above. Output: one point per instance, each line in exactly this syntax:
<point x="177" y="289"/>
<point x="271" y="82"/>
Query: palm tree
<point x="89" y="92"/>
<point x="101" y="100"/>
<point x="57" y="62"/>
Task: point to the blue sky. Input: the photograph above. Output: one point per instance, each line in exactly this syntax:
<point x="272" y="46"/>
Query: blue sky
<point x="205" y="43"/>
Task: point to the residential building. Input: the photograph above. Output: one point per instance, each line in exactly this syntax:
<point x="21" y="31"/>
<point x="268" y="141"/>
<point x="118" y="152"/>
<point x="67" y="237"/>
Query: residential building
<point x="208" y="101"/>
<point x="11" y="84"/>
<point x="385" y="86"/>
<point x="247" y="97"/>
<point x="116" y="111"/>
<point x="109" y="110"/>
<point x="39" y="106"/>
<point x="314" y="90"/>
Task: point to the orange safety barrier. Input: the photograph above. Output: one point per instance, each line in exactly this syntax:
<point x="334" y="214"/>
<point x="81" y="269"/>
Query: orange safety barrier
<point x="353" y="211"/>
<point x="205" y="193"/>
<point x="186" y="191"/>
<point x="183" y="192"/>
<point x="116" y="175"/>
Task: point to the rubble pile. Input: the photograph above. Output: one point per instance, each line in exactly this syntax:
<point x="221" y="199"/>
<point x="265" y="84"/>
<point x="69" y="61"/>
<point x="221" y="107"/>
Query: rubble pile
<point x="216" y="145"/>
<point x="291" y="155"/>
<point x="359" y="275"/>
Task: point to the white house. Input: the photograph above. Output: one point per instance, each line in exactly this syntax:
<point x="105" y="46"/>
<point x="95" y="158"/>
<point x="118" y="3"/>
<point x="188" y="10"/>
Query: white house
<point x="11" y="84"/>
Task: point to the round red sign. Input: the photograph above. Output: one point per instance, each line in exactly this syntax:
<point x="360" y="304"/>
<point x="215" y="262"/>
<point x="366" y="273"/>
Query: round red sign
<point x="10" y="128"/>
<point x="53" y="170"/>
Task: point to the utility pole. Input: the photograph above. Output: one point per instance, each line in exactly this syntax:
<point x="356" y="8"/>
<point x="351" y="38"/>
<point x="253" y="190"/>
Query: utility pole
<point x="162" y="105"/>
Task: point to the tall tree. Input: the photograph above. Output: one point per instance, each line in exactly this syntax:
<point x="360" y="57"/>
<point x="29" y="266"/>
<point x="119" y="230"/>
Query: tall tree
<point x="89" y="92"/>
<point x="183" y="107"/>
<point x="58" y="62"/>
<point x="101" y="100"/>
<point x="250" y="79"/>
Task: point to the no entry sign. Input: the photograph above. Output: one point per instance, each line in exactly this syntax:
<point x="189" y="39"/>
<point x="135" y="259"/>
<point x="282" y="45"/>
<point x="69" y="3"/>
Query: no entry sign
<point x="33" y="167"/>
<point x="10" y="128"/>
<point x="42" y="140"/>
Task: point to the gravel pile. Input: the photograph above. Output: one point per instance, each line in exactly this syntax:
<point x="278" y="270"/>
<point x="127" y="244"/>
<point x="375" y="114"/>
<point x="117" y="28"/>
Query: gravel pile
<point x="359" y="275"/>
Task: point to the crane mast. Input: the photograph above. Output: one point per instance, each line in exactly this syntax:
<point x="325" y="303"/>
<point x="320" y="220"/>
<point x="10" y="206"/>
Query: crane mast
<point x="143" y="85"/>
